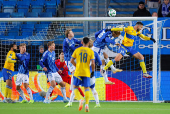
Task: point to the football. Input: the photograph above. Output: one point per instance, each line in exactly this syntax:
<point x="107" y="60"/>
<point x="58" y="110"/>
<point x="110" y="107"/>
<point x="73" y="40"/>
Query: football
<point x="112" y="13"/>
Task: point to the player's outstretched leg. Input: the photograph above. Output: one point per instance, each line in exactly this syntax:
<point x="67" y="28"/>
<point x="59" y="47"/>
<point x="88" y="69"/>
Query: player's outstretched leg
<point x="106" y="79"/>
<point x="142" y="64"/>
<point x="87" y="97"/>
<point x="22" y="95"/>
<point x="81" y="101"/>
<point x="95" y="94"/>
<point x="50" y="89"/>
<point x="71" y="99"/>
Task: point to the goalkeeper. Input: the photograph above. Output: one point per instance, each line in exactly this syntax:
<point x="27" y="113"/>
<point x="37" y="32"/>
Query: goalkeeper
<point x="131" y="34"/>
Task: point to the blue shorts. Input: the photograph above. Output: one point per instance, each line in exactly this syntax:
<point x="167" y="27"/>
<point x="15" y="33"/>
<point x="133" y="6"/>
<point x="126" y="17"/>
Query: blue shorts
<point x="92" y="86"/>
<point x="7" y="74"/>
<point x="127" y="50"/>
<point x="83" y="81"/>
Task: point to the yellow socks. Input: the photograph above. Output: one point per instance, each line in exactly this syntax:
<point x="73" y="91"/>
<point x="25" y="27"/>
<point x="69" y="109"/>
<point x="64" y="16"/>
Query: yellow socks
<point x="109" y="64"/>
<point x="77" y="93"/>
<point x="142" y="65"/>
<point x="87" y="96"/>
<point x="8" y="91"/>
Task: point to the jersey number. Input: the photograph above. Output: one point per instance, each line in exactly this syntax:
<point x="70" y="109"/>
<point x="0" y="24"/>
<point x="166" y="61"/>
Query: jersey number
<point x="83" y="57"/>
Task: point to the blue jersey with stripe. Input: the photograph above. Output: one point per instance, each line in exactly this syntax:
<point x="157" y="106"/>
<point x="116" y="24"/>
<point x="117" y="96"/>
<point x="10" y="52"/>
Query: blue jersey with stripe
<point x="102" y="38"/>
<point x="69" y="47"/>
<point x="48" y="61"/>
<point x="23" y="63"/>
<point x="97" y="59"/>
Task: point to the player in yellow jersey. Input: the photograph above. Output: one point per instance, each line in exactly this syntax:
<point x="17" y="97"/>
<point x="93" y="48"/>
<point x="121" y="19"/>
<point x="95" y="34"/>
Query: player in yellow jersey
<point x="7" y="72"/>
<point x="83" y="55"/>
<point x="126" y="47"/>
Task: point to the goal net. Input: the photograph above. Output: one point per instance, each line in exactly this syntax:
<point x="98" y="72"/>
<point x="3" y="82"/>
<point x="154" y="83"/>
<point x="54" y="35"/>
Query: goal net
<point x="129" y="84"/>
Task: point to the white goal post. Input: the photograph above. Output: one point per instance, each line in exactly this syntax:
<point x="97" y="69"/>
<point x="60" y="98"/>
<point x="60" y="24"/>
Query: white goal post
<point x="84" y="19"/>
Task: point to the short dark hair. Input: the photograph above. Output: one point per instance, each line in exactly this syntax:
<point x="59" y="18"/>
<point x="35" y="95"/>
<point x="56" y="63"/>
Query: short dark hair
<point x="61" y="52"/>
<point x="141" y="2"/>
<point x="86" y="40"/>
<point x="11" y="45"/>
<point x="139" y="23"/>
<point x="50" y="43"/>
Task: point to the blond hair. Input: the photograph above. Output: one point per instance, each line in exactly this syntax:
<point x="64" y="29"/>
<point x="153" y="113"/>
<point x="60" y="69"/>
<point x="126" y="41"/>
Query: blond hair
<point x="22" y="44"/>
<point x="50" y="43"/>
<point x="67" y="32"/>
<point x="90" y="43"/>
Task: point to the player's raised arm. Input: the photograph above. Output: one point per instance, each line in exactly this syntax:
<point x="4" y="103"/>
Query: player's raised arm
<point x="146" y="38"/>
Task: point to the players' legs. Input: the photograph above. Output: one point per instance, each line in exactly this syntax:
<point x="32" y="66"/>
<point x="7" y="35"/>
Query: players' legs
<point x="140" y="57"/>
<point x="26" y="82"/>
<point x="50" y="89"/>
<point x="63" y="91"/>
<point x="95" y="94"/>
<point x="18" y="86"/>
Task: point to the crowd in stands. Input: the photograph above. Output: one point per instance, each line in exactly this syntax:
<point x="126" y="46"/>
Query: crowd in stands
<point x="163" y="7"/>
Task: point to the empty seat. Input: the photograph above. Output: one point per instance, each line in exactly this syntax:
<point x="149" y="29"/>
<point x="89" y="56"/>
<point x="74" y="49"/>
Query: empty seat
<point x="37" y="6"/>
<point x="49" y="14"/>
<point x="9" y="6"/>
<point x="31" y="14"/>
<point x="41" y="29"/>
<point x="27" y="29"/>
<point x="17" y="15"/>
<point x="51" y="6"/>
<point x="4" y="15"/>
<point x="21" y="37"/>
<point x="23" y="6"/>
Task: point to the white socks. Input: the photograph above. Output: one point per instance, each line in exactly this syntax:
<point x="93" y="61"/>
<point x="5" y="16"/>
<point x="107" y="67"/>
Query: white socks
<point x="49" y="92"/>
<point x="30" y="93"/>
<point x="105" y="75"/>
<point x="71" y="97"/>
<point x="112" y="67"/>
<point x="95" y="94"/>
<point x="22" y="94"/>
<point x="63" y="91"/>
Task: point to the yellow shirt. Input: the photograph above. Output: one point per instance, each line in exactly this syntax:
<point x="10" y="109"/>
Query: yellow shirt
<point x="130" y="35"/>
<point x="9" y="62"/>
<point x="83" y="55"/>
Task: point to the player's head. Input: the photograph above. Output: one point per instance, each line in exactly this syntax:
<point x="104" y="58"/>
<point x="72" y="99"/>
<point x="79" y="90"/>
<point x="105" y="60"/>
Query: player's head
<point x="85" y="41"/>
<point x="115" y="34"/>
<point x="51" y="45"/>
<point x="166" y="1"/>
<point x="13" y="47"/>
<point x="69" y="33"/>
<point x="61" y="55"/>
<point x="90" y="43"/>
<point x="139" y="26"/>
<point x="41" y="49"/>
<point x="22" y="48"/>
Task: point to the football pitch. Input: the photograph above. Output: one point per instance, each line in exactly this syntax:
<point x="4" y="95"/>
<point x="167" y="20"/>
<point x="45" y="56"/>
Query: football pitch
<point x="106" y="108"/>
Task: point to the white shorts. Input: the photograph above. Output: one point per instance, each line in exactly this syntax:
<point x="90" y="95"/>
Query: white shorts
<point x="22" y="78"/>
<point x="70" y="66"/>
<point x="92" y="80"/>
<point x="99" y="51"/>
<point x="54" y="76"/>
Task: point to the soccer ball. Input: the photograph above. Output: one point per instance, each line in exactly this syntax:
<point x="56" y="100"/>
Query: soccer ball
<point x="112" y="13"/>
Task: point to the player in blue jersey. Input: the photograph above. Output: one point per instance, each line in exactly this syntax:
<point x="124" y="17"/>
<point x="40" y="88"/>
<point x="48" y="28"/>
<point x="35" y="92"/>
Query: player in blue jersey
<point x="23" y="73"/>
<point x="102" y="39"/>
<point x="48" y="64"/>
<point x="69" y="45"/>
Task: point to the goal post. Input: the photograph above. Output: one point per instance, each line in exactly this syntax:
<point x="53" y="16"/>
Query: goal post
<point x="61" y="24"/>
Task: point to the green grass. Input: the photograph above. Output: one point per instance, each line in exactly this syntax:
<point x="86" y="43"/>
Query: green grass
<point x="106" y="108"/>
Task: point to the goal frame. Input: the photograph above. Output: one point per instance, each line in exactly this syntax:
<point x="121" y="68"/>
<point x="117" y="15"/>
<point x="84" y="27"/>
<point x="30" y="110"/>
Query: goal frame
<point x="72" y="19"/>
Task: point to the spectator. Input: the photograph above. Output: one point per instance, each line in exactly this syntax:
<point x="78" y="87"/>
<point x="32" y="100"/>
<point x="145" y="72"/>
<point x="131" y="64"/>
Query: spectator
<point x="168" y="15"/>
<point x="153" y="3"/>
<point x="38" y="56"/>
<point x="154" y="14"/>
<point x="163" y="9"/>
<point x="142" y="12"/>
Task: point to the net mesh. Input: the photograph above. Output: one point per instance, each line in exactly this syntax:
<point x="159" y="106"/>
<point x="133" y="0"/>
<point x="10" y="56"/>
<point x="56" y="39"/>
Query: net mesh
<point x="130" y="84"/>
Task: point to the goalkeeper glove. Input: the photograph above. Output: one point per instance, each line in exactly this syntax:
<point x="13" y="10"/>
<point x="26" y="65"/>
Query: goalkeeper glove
<point x="153" y="40"/>
<point x="107" y="30"/>
<point x="92" y="74"/>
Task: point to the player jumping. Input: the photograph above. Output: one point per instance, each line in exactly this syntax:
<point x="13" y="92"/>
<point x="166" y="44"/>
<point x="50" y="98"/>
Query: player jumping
<point x="7" y="72"/>
<point x="69" y="45"/>
<point x="48" y="64"/>
<point x="83" y="56"/>
<point x="23" y="73"/>
<point x="126" y="47"/>
<point x="102" y="39"/>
